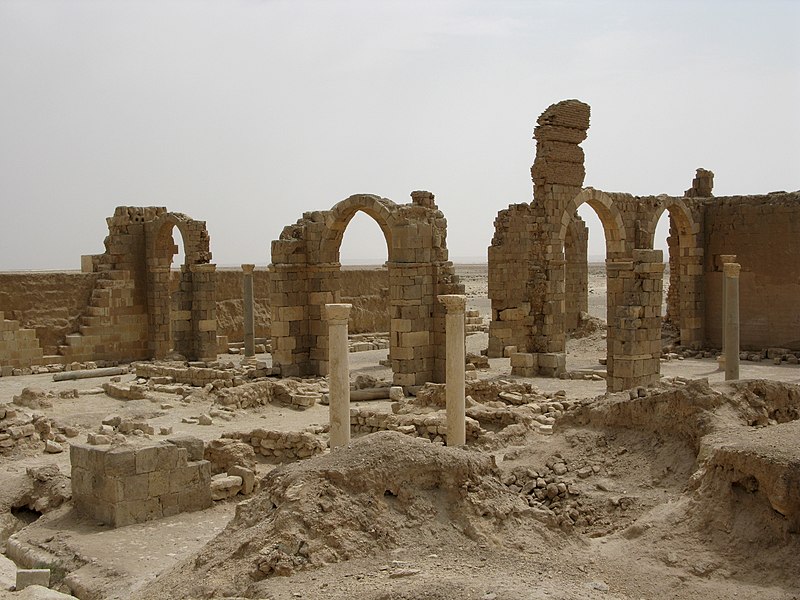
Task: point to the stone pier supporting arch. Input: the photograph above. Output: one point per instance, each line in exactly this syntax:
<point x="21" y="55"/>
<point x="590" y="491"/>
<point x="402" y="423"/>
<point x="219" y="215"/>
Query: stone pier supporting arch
<point x="533" y="264"/>
<point x="304" y="276"/>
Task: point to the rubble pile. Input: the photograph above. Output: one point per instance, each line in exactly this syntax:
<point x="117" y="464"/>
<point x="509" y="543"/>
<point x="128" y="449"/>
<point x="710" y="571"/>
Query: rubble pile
<point x="294" y="392"/>
<point x="30" y="432"/>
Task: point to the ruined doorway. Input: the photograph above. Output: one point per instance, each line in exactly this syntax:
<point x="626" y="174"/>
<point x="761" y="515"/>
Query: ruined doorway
<point x="673" y="227"/>
<point x="590" y="214"/>
<point x="364" y="256"/>
<point x="305" y="274"/>
<point x="181" y="307"/>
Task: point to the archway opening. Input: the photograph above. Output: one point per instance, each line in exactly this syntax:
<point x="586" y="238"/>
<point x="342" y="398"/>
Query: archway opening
<point x="363" y="255"/>
<point x="180" y="296"/>
<point x="586" y="288"/>
<point x="666" y="238"/>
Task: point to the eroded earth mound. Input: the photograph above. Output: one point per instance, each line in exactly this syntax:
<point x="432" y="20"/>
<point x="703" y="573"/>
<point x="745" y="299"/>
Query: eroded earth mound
<point x="383" y="491"/>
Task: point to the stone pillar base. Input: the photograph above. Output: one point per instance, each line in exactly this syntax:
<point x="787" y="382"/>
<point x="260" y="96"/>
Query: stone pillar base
<point x="542" y="364"/>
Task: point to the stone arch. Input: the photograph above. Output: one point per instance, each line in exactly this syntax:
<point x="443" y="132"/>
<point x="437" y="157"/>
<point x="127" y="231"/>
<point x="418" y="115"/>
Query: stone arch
<point x="685" y="305"/>
<point x="339" y="217"/>
<point x="607" y="211"/>
<point x="304" y="276"/>
<point x="177" y="310"/>
<point x="616" y="247"/>
<point x="194" y="234"/>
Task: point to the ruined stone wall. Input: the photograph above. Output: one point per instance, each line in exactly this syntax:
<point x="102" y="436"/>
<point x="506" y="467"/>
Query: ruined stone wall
<point x="55" y="304"/>
<point x="306" y="275"/>
<point x="635" y="289"/>
<point x="764" y="234"/>
<point x="19" y="348"/>
<point x="52" y="303"/>
<point x="122" y="485"/>
<point x="230" y="307"/>
<point x="513" y="281"/>
<point x="537" y="262"/>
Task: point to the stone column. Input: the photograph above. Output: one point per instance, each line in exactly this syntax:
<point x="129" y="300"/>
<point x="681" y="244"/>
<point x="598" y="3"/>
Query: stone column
<point x="731" y="271"/>
<point x="249" y="322"/>
<point x="724" y="259"/>
<point x="456" y="405"/>
<point x="337" y="316"/>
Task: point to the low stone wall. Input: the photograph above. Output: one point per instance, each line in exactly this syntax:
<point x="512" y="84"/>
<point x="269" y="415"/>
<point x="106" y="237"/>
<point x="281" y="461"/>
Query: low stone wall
<point x="297" y="393"/>
<point x="19" y="348"/>
<point x="281" y="445"/>
<point x="124" y="485"/>
<point x="200" y="376"/>
<point x="432" y="425"/>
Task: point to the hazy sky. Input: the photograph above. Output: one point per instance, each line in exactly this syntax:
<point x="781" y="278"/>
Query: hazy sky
<point x="246" y="113"/>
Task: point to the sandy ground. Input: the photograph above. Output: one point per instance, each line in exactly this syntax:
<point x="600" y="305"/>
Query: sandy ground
<point x="525" y="559"/>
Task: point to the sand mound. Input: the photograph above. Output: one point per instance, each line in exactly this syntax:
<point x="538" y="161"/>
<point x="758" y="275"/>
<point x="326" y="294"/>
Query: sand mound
<point x="386" y="489"/>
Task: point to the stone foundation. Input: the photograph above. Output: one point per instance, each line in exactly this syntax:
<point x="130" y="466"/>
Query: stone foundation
<point x="124" y="485"/>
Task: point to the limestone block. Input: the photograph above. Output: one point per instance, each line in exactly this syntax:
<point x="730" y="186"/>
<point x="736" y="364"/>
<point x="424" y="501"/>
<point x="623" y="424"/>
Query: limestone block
<point x="225" y="486"/>
<point x="247" y="476"/>
<point x="26" y="577"/>
<point x="524" y="359"/>
<point x="193" y="445"/>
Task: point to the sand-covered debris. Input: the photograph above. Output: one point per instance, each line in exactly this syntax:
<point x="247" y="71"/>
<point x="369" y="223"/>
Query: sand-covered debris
<point x="386" y="489"/>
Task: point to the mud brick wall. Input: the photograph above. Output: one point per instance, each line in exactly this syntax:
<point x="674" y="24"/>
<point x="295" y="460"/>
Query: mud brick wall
<point x="764" y="234"/>
<point x="125" y="485"/>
